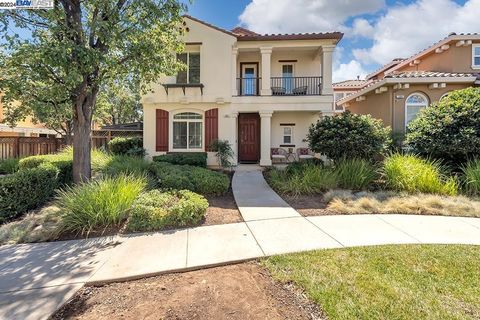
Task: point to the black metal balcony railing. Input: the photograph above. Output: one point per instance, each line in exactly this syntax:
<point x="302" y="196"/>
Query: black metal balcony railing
<point x="248" y="86"/>
<point x="296" y="86"/>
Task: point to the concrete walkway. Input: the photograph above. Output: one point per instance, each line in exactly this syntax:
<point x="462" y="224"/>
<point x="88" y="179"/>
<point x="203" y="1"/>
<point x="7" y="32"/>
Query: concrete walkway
<point x="36" y="279"/>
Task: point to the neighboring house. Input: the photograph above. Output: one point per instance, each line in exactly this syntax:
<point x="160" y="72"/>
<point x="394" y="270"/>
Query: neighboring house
<point x="24" y="128"/>
<point x="398" y="91"/>
<point x="256" y="91"/>
<point x="345" y="88"/>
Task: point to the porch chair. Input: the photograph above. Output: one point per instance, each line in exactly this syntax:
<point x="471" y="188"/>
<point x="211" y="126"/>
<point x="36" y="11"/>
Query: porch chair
<point x="278" y="91"/>
<point x="278" y="154"/>
<point x="305" y="154"/>
<point x="300" y="91"/>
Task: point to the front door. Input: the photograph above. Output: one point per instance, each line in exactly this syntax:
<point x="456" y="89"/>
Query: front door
<point x="249" y="84"/>
<point x="249" y="137"/>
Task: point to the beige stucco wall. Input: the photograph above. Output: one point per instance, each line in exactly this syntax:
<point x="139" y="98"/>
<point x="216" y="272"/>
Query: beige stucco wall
<point x="215" y="65"/>
<point x="376" y="105"/>
<point x="380" y="105"/>
<point x="455" y="59"/>
<point x="301" y="121"/>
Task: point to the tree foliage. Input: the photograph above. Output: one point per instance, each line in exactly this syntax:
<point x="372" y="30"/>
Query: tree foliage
<point x="76" y="48"/>
<point x="349" y="136"/>
<point x="450" y="129"/>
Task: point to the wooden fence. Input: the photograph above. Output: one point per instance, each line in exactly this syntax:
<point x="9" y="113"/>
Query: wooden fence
<point x="18" y="147"/>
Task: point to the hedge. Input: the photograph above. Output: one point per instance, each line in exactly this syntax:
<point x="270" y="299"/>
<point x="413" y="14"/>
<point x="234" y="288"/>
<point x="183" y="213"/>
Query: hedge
<point x="127" y="147"/>
<point x="61" y="161"/>
<point x="8" y="166"/>
<point x="196" y="179"/>
<point x="198" y="159"/>
<point x="156" y="210"/>
<point x="26" y="190"/>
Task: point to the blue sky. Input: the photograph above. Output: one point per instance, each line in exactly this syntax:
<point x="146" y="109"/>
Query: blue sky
<point x="376" y="31"/>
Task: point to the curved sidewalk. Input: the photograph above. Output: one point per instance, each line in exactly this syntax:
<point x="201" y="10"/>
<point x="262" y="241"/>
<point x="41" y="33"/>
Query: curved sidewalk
<point x="36" y="279"/>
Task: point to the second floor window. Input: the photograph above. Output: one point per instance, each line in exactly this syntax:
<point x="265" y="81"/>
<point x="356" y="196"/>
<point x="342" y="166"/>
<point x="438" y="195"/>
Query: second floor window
<point x="476" y="56"/>
<point x="192" y="74"/>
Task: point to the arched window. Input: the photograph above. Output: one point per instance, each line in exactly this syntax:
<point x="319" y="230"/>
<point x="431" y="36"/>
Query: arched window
<point x="187" y="131"/>
<point x="414" y="104"/>
<point x="444" y="96"/>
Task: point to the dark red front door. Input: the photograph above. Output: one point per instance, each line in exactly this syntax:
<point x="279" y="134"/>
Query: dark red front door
<point x="249" y="137"/>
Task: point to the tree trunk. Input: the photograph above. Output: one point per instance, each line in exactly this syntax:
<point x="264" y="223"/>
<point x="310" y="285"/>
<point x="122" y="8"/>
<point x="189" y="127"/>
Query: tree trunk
<point x="82" y="168"/>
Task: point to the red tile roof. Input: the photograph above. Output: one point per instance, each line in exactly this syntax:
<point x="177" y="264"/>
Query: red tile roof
<point x="429" y="74"/>
<point x="292" y="36"/>
<point x="239" y="31"/>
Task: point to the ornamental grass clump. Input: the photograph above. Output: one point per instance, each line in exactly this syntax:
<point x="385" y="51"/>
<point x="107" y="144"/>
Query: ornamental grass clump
<point x="300" y="179"/>
<point x="413" y="174"/>
<point x="98" y="204"/>
<point x="355" y="174"/>
<point x="471" y="172"/>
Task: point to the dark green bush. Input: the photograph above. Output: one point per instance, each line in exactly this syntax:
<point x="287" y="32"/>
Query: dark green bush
<point x="449" y="130"/>
<point x="8" y="166"/>
<point x="196" y="179"/>
<point x="156" y="210"/>
<point x="348" y="135"/>
<point x="127" y="146"/>
<point x="26" y="190"/>
<point x="197" y="159"/>
<point x="62" y="161"/>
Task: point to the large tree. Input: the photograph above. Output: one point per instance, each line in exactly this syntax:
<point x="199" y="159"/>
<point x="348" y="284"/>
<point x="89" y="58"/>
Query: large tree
<point x="74" y="49"/>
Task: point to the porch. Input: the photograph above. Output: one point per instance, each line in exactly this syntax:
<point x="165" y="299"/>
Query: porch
<point x="259" y="132"/>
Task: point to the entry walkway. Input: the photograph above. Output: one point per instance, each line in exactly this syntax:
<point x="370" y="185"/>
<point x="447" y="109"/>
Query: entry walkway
<point x="36" y="279"/>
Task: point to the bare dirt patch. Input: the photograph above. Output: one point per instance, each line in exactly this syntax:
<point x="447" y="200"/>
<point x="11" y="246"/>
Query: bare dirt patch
<point x="308" y="205"/>
<point x="243" y="291"/>
<point x="222" y="210"/>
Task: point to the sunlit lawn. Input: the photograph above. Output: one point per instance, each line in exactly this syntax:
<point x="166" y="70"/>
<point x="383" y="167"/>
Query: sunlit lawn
<point x="389" y="282"/>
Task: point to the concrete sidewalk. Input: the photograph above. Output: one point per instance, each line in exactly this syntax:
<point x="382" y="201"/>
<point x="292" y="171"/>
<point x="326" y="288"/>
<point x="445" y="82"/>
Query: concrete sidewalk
<point x="36" y="279"/>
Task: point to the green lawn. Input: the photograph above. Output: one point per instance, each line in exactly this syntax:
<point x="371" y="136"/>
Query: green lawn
<point x="388" y="282"/>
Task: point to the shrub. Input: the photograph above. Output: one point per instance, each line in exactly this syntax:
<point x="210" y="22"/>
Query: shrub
<point x="9" y="166"/>
<point x="126" y="165"/>
<point x="26" y="189"/>
<point x="98" y="204"/>
<point x="298" y="179"/>
<point x="62" y="161"/>
<point x="349" y="135"/>
<point x="197" y="159"/>
<point x="471" y="173"/>
<point x="127" y="146"/>
<point x="196" y="179"/>
<point x="355" y="174"/>
<point x="155" y="210"/>
<point x="449" y="130"/>
<point x="413" y="174"/>
<point x="224" y="153"/>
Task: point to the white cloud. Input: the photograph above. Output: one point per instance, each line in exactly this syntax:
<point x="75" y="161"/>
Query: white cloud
<point x="348" y="71"/>
<point x="287" y="16"/>
<point x="407" y="29"/>
<point x="361" y="27"/>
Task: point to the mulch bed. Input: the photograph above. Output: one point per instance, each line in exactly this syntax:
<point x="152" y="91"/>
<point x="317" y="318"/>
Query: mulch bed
<point x="242" y="291"/>
<point x="308" y="205"/>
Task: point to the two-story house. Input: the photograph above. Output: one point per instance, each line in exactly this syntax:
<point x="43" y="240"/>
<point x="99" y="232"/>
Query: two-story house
<point x="399" y="90"/>
<point x="256" y="91"/>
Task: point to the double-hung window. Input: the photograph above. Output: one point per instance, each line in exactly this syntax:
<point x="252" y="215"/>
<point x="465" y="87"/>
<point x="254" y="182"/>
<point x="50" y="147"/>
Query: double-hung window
<point x="476" y="56"/>
<point x="192" y="74"/>
<point x="187" y="131"/>
<point x="287" y="135"/>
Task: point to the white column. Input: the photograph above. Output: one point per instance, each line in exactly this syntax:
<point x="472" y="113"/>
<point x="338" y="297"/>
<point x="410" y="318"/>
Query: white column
<point x="327" y="63"/>
<point x="266" y="71"/>
<point x="234" y="72"/>
<point x="234" y="141"/>
<point x="265" y="139"/>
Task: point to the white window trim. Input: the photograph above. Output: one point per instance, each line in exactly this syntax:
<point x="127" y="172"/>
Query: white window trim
<point x="292" y="128"/>
<point x="288" y="64"/>
<point x="418" y="105"/>
<point x="475" y="66"/>
<point x="170" y="129"/>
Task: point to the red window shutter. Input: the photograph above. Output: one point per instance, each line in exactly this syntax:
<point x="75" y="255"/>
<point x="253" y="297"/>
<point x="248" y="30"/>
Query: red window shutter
<point x="211" y="127"/>
<point x="162" y="131"/>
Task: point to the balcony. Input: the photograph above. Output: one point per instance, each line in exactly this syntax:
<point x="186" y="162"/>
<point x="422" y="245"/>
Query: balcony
<point x="281" y="86"/>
